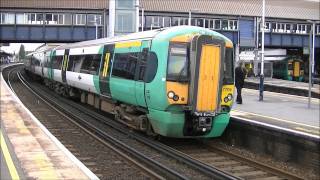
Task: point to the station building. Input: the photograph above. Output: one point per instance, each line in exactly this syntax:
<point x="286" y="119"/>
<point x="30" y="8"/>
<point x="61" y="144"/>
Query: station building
<point x="288" y="28"/>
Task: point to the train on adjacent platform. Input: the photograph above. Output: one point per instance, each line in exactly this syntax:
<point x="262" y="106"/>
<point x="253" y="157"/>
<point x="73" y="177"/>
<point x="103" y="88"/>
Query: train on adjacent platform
<point x="174" y="82"/>
<point x="291" y="68"/>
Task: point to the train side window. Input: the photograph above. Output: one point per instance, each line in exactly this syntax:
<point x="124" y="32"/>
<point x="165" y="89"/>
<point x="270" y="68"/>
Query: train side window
<point x="75" y="62"/>
<point x="124" y="65"/>
<point x="56" y="62"/>
<point x="91" y="64"/>
<point x="152" y="66"/>
<point x="290" y="66"/>
<point x="142" y="64"/>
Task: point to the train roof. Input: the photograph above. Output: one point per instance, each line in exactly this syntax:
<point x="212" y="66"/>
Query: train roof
<point x="137" y="36"/>
<point x="132" y="36"/>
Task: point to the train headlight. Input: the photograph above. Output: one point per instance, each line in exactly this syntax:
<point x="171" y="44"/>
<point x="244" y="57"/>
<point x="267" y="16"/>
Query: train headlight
<point x="226" y="99"/>
<point x="171" y="95"/>
<point x="175" y="97"/>
<point x="229" y="97"/>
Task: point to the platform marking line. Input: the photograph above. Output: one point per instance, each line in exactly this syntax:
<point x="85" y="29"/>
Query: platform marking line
<point x="12" y="169"/>
<point x="306" y="130"/>
<point x="78" y="163"/>
<point x="289" y="96"/>
<point x="278" y="119"/>
<point x="280" y="128"/>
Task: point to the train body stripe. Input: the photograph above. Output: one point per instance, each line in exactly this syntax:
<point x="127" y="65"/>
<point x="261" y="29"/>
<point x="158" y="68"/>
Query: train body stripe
<point x="106" y="65"/>
<point x="128" y="44"/>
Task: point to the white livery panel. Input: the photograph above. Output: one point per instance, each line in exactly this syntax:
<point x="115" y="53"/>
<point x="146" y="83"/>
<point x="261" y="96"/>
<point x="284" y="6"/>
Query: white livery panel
<point x="57" y="75"/>
<point x="81" y="81"/>
<point x="38" y="70"/>
<point x="45" y="72"/>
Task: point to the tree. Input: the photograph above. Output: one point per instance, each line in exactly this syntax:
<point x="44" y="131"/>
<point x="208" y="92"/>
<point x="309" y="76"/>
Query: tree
<point x="22" y="52"/>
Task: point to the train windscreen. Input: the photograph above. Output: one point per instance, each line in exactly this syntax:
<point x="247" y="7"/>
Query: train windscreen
<point x="178" y="62"/>
<point x="228" y="66"/>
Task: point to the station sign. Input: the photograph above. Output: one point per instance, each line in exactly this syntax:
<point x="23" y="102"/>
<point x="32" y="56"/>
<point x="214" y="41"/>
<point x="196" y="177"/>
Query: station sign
<point x="306" y="50"/>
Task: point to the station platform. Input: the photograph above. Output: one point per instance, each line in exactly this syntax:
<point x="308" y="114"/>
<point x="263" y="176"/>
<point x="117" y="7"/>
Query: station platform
<point x="28" y="149"/>
<point x="284" y="86"/>
<point x="281" y="111"/>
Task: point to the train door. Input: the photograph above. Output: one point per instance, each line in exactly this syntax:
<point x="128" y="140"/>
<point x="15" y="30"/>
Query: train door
<point x="32" y="63"/>
<point x="290" y="70"/>
<point x="208" y="55"/>
<point x="42" y="60"/>
<point x="296" y="69"/>
<point x="65" y="65"/>
<point x="140" y="73"/>
<point x="50" y="71"/>
<point x="104" y="76"/>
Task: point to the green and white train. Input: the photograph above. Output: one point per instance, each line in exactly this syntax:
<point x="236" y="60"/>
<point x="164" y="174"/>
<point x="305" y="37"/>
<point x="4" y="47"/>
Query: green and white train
<point x="174" y="82"/>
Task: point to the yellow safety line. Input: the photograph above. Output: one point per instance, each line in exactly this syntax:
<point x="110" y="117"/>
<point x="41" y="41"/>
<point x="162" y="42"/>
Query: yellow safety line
<point x="275" y="118"/>
<point x="7" y="157"/>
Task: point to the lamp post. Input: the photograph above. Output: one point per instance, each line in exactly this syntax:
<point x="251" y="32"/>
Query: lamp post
<point x="96" y="24"/>
<point x="311" y="58"/>
<point x="262" y="54"/>
<point x="189" y="19"/>
<point x="142" y="17"/>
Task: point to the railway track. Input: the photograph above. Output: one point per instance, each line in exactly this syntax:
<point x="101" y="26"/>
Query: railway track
<point x="163" y="160"/>
<point x="230" y="162"/>
<point x="98" y="155"/>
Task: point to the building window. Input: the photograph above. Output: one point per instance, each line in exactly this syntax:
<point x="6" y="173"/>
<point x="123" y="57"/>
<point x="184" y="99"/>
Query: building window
<point x="21" y="18"/>
<point x="125" y="23"/>
<point x="67" y="19"/>
<point x="301" y="29"/>
<point x="233" y="25"/>
<point x="283" y="28"/>
<point x="39" y="18"/>
<point x="29" y="18"/>
<point x="79" y="19"/>
<point x="207" y="23"/>
<point x="175" y="21"/>
<point x="125" y="4"/>
<point x="57" y="19"/>
<point x="280" y="27"/>
<point x="148" y="22"/>
<point x="93" y="19"/>
<point x="287" y="28"/>
<point x="224" y="24"/>
<point x="183" y="21"/>
<point x="7" y="18"/>
<point x="155" y="22"/>
<point x="217" y="24"/>
<point x="267" y="27"/>
<point x="294" y="28"/>
<point x="318" y="29"/>
<point x="49" y="19"/>
<point x="199" y="22"/>
<point x="166" y="21"/>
